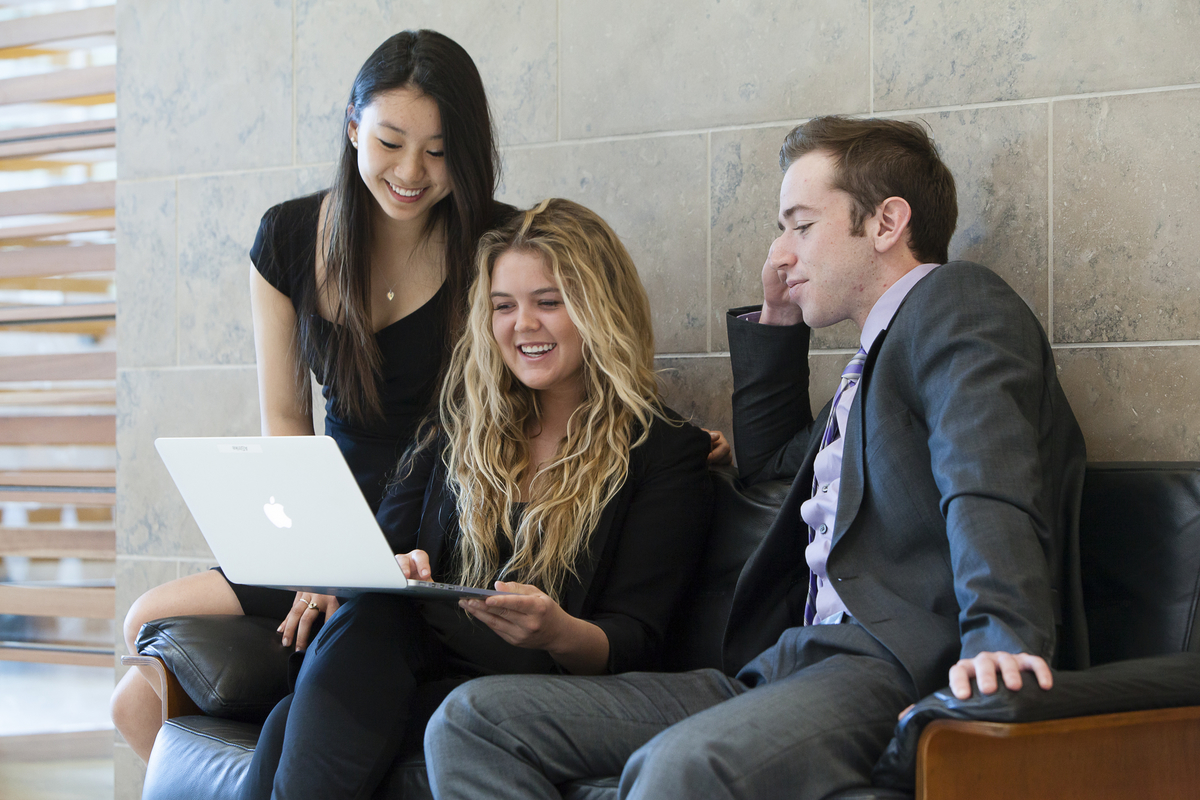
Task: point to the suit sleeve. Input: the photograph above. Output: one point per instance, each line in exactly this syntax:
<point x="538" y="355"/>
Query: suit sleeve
<point x="772" y="416"/>
<point x="986" y="383"/>
<point x="660" y="541"/>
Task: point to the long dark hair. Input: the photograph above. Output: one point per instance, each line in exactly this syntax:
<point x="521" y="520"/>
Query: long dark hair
<point x="441" y="69"/>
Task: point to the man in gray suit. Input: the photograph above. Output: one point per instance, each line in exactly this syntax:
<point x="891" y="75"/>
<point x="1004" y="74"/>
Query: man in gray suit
<point x="923" y="535"/>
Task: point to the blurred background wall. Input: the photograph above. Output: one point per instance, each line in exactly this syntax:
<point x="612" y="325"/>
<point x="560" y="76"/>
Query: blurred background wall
<point x="1073" y="130"/>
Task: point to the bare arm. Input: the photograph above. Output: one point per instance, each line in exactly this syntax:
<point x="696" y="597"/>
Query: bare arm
<point x="280" y="398"/>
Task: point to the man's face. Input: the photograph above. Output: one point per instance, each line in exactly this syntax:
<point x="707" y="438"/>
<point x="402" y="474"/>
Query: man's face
<point x="830" y="274"/>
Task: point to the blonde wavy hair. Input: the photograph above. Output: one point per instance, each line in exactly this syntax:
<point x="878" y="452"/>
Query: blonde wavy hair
<point x="486" y="412"/>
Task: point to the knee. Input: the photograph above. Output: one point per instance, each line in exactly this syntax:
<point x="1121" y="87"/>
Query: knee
<point x="476" y="704"/>
<point x="126" y="705"/>
<point x="139" y="613"/>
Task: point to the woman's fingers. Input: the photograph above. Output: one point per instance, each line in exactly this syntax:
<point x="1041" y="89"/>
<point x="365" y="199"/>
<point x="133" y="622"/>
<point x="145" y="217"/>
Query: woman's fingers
<point x="415" y="565"/>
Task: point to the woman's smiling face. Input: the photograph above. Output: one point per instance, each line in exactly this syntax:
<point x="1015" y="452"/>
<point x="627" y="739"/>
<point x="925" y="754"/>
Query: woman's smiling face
<point x="401" y="153"/>
<point x="537" y="338"/>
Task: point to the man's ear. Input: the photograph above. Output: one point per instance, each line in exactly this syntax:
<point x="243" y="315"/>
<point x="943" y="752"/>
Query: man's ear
<point x="889" y="225"/>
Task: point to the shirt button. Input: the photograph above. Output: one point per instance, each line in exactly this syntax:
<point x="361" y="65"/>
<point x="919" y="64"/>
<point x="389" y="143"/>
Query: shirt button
<point x="825" y="487"/>
<point x="821" y="530"/>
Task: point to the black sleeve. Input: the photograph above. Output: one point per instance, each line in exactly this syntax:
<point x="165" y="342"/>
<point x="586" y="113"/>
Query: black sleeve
<point x="403" y="503"/>
<point x="660" y="541"/>
<point x="269" y="253"/>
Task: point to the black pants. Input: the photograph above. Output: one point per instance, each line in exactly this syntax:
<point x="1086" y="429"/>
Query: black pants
<point x="354" y="707"/>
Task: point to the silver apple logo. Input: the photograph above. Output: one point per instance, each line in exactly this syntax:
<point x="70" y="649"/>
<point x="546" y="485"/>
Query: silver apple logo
<point x="274" y="512"/>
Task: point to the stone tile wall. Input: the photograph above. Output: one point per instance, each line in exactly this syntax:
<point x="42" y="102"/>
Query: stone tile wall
<point x="1072" y="129"/>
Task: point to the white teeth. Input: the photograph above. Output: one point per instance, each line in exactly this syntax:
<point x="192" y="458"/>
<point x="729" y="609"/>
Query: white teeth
<point x="536" y="349"/>
<point x="404" y="192"/>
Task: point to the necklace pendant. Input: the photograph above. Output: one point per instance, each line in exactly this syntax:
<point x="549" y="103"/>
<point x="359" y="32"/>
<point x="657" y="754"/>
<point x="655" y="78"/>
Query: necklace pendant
<point x="391" y="294"/>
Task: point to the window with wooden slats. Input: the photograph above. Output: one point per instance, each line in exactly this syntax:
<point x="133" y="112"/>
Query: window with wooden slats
<point x="57" y="331"/>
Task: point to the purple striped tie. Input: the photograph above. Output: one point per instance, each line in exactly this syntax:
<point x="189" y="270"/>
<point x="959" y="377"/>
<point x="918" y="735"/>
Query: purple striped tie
<point x="850" y="376"/>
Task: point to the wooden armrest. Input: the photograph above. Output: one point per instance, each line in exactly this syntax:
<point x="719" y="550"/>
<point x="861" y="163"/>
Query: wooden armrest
<point x="175" y="701"/>
<point x="1137" y="755"/>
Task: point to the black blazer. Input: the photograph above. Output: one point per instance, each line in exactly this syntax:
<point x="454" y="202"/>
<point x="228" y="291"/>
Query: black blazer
<point x="961" y="480"/>
<point x="642" y="555"/>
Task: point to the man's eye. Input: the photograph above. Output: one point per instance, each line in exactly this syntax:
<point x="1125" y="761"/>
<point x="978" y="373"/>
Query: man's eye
<point x="803" y="228"/>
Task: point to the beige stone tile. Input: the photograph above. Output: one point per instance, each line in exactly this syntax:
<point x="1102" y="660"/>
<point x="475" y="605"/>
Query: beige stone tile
<point x="1135" y="403"/>
<point x="218" y="218"/>
<point x="699" y="389"/>
<point x="146" y="274"/>
<point x="652" y="192"/>
<point x="152" y="519"/>
<point x="745" y="207"/>
<point x="204" y="85"/>
<point x="129" y="774"/>
<point x="513" y="44"/>
<point x="1125" y="176"/>
<point x="999" y="160"/>
<point x="940" y="53"/>
<point x="634" y="67"/>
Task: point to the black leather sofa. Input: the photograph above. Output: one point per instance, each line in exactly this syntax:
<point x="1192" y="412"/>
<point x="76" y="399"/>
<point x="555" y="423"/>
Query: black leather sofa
<point x="1140" y="562"/>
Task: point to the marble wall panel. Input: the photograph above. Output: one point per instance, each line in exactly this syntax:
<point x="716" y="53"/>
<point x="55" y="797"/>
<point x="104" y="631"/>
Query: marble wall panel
<point x="633" y="67"/>
<point x="745" y="180"/>
<point x="203" y="85"/>
<point x="218" y="219"/>
<point x="129" y="773"/>
<point x="998" y="157"/>
<point x="944" y="52"/>
<point x="152" y="519"/>
<point x="700" y="389"/>
<point x="1126" y="195"/>
<point x="513" y="43"/>
<point x="1135" y="403"/>
<point x="652" y="192"/>
<point x="146" y="274"/>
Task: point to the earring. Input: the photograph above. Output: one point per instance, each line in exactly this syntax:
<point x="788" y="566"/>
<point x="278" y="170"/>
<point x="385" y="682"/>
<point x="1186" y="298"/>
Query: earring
<point x="354" y="143"/>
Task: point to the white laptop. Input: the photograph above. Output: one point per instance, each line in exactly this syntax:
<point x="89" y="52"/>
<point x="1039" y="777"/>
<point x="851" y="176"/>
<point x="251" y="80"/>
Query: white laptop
<point x="285" y="512"/>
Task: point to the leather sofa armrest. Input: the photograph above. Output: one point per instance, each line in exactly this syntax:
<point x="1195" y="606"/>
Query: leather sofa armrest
<point x="234" y="667"/>
<point x="1124" y="686"/>
<point x="175" y="701"/>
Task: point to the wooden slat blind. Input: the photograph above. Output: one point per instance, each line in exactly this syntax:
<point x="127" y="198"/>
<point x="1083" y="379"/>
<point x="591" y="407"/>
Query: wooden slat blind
<point x="57" y="27"/>
<point x="44" y="413"/>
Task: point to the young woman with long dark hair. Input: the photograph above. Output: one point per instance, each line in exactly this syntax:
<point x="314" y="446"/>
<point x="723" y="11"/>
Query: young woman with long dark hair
<point x="364" y="284"/>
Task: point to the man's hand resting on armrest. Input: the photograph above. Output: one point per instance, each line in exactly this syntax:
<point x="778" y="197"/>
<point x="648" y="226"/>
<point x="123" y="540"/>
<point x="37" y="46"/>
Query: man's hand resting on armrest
<point x="983" y="669"/>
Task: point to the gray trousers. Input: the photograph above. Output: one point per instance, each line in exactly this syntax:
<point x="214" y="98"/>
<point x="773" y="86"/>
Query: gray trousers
<point x="808" y="717"/>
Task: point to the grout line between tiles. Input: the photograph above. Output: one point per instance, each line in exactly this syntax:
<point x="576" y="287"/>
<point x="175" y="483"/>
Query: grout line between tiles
<point x="1050" y="221"/>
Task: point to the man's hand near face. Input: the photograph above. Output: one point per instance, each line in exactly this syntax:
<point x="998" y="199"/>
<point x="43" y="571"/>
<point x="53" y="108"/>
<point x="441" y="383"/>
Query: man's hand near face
<point x="778" y="308"/>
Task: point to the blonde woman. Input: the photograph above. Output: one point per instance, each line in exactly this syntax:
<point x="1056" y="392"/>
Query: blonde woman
<point x="554" y="474"/>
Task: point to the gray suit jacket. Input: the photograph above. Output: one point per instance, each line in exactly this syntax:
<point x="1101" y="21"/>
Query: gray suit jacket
<point x="961" y="481"/>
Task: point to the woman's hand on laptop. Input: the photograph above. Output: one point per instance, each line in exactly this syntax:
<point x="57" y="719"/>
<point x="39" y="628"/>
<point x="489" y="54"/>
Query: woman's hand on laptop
<point x="307" y="608"/>
<point x="415" y="565"/>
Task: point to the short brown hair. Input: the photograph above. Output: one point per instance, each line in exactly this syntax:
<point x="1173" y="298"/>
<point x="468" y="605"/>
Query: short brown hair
<point x="875" y="159"/>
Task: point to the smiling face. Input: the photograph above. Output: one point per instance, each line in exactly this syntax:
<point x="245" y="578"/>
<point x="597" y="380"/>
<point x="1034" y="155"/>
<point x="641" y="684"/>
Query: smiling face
<point x="401" y="154"/>
<point x="537" y="339"/>
<point x="831" y="274"/>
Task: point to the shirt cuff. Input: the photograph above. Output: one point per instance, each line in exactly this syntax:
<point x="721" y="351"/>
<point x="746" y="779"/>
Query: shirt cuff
<point x="753" y="316"/>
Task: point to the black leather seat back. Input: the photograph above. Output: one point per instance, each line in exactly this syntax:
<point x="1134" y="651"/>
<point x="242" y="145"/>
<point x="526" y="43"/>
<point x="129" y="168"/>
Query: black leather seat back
<point x="1140" y="558"/>
<point x="741" y="517"/>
